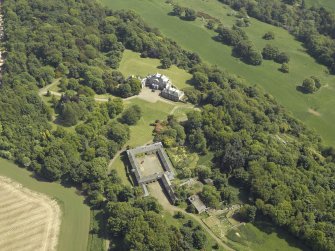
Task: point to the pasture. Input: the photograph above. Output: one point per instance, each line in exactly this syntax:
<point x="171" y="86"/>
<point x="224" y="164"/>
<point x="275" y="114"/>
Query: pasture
<point x="195" y="37"/>
<point x="330" y="4"/>
<point x="28" y="220"/>
<point x="75" y="215"/>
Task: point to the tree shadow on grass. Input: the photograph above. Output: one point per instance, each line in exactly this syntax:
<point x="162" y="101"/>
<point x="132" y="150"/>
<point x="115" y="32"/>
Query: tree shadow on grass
<point x="301" y="89"/>
<point x="116" y="244"/>
<point x="99" y="228"/>
<point x="40" y="178"/>
<point x="217" y="39"/>
<point x="130" y="175"/>
<point x="264" y="225"/>
<point x="190" y="82"/>
<point x="171" y="13"/>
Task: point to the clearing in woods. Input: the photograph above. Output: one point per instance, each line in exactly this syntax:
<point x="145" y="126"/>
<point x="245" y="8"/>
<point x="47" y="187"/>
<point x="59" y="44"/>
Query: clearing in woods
<point x="28" y="220"/>
<point x="133" y="64"/>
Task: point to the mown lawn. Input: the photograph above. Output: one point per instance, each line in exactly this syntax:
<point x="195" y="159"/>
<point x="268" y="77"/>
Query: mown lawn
<point x="133" y="64"/>
<point x="75" y="214"/>
<point x="195" y="37"/>
<point x="141" y="133"/>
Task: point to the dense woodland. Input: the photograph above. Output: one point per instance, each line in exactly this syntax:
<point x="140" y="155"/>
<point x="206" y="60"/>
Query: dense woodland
<point x="315" y="27"/>
<point x="283" y="165"/>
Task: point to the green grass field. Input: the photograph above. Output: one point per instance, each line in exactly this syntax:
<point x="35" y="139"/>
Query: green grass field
<point x="133" y="64"/>
<point x="330" y="4"/>
<point x="75" y="214"/>
<point x="194" y="36"/>
<point x="262" y="237"/>
<point x="141" y="133"/>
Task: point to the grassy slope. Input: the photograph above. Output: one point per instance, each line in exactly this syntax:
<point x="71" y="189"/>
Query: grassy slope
<point x="133" y="64"/>
<point x="141" y="133"/>
<point x="263" y="237"/>
<point x="75" y="214"/>
<point x="195" y="37"/>
<point x="330" y="4"/>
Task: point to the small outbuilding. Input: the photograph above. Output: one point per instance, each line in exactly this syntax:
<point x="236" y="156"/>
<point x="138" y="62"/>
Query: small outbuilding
<point x="209" y="181"/>
<point x="197" y="203"/>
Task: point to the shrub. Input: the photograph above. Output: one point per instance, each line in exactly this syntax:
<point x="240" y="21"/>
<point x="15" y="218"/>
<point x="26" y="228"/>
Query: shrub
<point x="282" y="58"/>
<point x="284" y="68"/>
<point x="270" y="52"/>
<point x="269" y="35"/>
<point x="309" y="85"/>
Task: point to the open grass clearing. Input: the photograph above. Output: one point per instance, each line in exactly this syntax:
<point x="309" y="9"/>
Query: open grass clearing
<point x="141" y="133"/>
<point x="217" y="226"/>
<point x="28" y="220"/>
<point x="75" y="214"/>
<point x="262" y="236"/>
<point x="133" y="64"/>
<point x="195" y="37"/>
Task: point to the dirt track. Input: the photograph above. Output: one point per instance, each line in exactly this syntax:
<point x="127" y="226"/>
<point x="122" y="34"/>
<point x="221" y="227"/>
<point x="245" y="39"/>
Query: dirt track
<point x="28" y="220"/>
